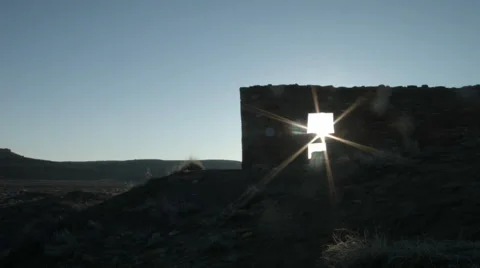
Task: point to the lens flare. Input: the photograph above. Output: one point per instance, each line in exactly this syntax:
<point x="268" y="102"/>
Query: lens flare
<point x="323" y="130"/>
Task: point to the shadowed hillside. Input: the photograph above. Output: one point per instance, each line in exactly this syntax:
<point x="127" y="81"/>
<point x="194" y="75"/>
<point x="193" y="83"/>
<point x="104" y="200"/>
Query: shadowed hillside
<point x="387" y="211"/>
<point x="14" y="166"/>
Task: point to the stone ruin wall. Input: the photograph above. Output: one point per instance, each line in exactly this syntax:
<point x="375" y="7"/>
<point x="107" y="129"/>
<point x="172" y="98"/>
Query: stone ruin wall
<point x="402" y="119"/>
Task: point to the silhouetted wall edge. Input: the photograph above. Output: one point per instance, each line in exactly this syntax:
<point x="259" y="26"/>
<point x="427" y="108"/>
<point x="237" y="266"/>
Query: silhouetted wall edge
<point x="396" y="118"/>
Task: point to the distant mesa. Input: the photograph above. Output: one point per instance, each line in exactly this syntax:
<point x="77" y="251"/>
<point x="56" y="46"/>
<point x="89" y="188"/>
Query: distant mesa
<point x="14" y="166"/>
<point x="7" y="155"/>
<point x="5" y="152"/>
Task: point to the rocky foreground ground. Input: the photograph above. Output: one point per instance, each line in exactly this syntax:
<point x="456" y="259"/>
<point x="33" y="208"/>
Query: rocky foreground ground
<point x="387" y="211"/>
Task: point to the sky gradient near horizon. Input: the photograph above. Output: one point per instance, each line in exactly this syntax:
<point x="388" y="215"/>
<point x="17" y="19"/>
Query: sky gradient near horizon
<point x="159" y="79"/>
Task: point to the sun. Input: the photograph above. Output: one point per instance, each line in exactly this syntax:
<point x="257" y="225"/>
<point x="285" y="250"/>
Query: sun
<point x="321" y="124"/>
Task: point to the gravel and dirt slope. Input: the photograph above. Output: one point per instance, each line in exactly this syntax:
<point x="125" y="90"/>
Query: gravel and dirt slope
<point x="384" y="207"/>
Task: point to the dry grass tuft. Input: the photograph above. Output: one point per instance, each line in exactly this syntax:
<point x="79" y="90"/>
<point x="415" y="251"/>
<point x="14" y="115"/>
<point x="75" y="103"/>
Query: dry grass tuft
<point x="353" y="250"/>
<point x="188" y="166"/>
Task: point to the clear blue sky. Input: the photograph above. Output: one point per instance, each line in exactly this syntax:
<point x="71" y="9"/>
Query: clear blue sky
<point x="116" y="79"/>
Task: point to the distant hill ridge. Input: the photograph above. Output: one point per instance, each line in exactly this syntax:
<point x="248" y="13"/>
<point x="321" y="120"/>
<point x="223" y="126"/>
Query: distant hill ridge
<point x="15" y="166"/>
<point x="5" y="152"/>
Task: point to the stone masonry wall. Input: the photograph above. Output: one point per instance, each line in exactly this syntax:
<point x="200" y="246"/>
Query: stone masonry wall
<point x="403" y="119"/>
